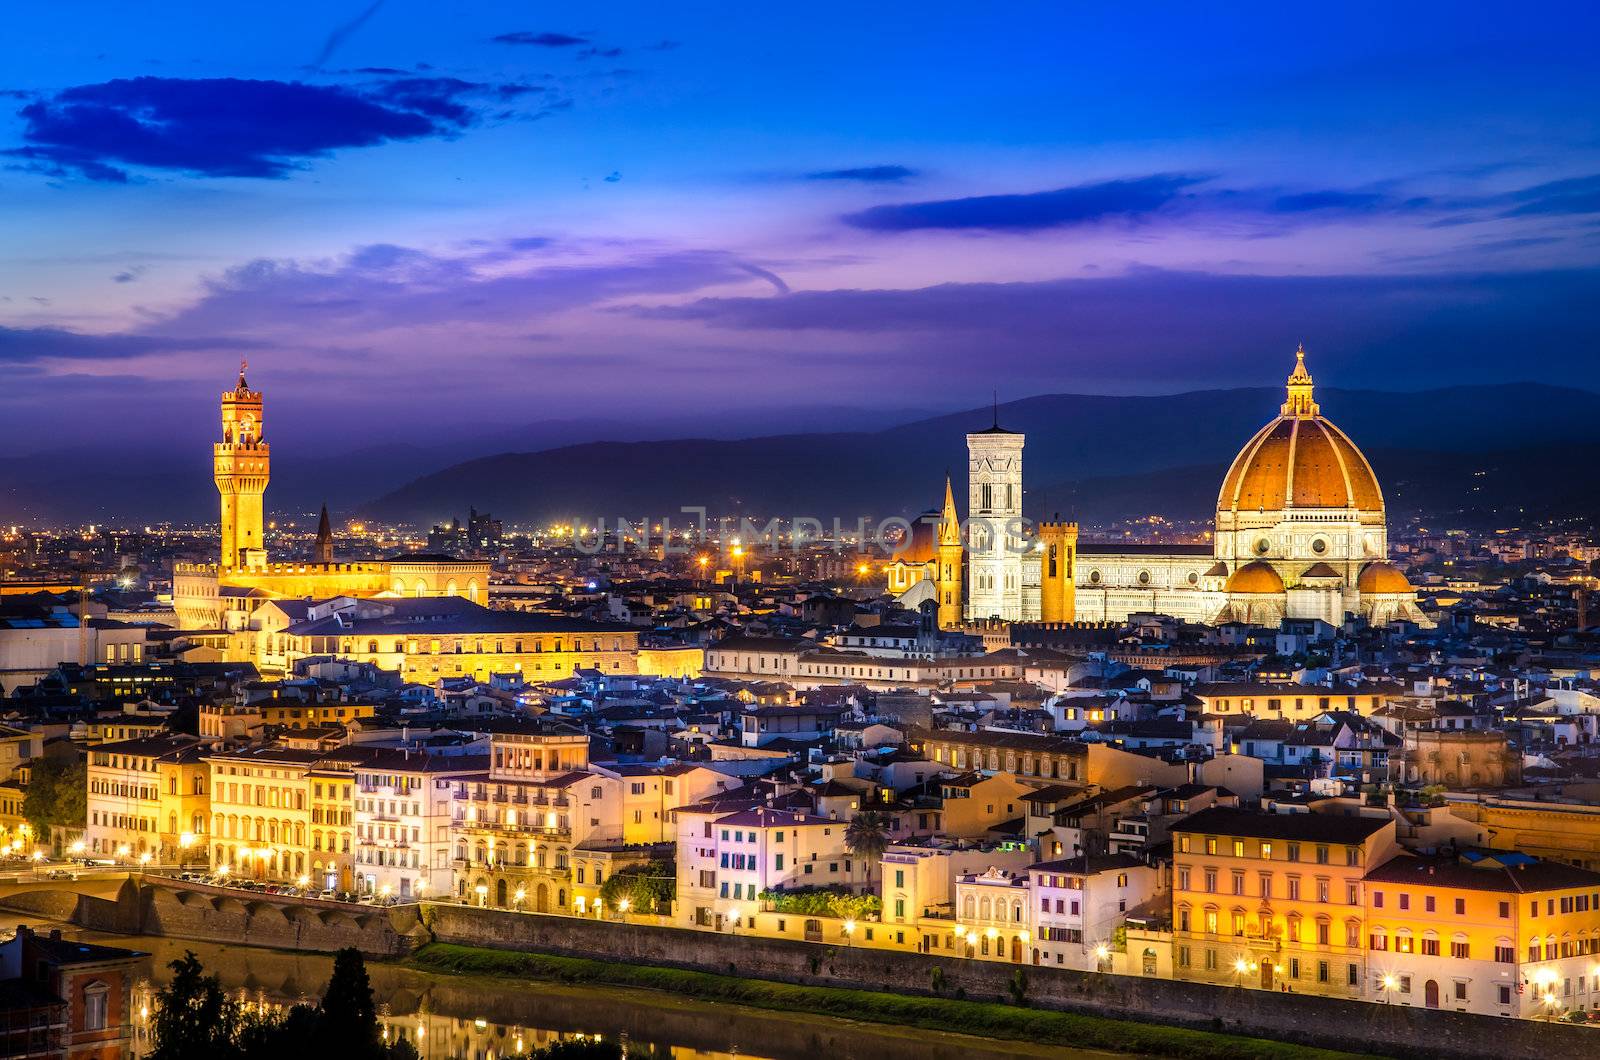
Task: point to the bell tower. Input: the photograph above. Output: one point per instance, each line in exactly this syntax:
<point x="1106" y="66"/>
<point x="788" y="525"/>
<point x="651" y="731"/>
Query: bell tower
<point x="241" y="465"/>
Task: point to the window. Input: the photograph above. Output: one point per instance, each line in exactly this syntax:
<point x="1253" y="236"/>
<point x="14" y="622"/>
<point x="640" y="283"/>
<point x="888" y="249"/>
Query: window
<point x="1460" y="948"/>
<point x="95" y="997"/>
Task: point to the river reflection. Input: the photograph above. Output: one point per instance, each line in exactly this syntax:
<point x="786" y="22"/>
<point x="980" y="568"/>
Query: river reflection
<point x="449" y="1016"/>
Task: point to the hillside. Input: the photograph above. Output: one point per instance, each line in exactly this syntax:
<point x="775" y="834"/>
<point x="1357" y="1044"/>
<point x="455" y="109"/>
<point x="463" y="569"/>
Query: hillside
<point x="1097" y="457"/>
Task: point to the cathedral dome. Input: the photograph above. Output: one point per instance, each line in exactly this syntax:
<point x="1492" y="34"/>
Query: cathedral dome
<point x="1257" y="577"/>
<point x="1381" y="577"/>
<point x="1300" y="460"/>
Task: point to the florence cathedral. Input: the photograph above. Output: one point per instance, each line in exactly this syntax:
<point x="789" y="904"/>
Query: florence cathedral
<point x="1300" y="532"/>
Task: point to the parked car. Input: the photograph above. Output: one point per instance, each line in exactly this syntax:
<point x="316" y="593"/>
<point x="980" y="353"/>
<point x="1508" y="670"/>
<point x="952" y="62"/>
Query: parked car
<point x="60" y="874"/>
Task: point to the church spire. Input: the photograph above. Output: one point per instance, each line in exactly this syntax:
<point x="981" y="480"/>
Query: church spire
<point x="1300" y="403"/>
<point x="243" y="364"/>
<point x="949" y="521"/>
<point x="324" y="552"/>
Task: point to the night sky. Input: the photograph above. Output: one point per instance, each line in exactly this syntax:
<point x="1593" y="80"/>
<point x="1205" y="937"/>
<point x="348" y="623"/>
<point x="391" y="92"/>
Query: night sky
<point x="414" y="216"/>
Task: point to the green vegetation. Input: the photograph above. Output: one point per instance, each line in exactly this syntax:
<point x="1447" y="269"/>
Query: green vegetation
<point x="823" y="901"/>
<point x="649" y="888"/>
<point x="196" y="1020"/>
<point x="57" y="795"/>
<point x="867" y="837"/>
<point x="990" y="1020"/>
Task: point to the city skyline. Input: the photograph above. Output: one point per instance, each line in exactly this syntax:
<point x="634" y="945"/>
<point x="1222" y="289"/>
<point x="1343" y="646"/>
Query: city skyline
<point x="520" y="214"/>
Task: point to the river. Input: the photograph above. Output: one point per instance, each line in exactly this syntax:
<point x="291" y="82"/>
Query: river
<point x="480" y="1018"/>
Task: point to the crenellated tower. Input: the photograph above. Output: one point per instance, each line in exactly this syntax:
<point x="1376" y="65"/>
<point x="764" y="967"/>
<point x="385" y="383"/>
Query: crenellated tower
<point x="1058" y="597"/>
<point x="947" y="578"/>
<point x="241" y="466"/>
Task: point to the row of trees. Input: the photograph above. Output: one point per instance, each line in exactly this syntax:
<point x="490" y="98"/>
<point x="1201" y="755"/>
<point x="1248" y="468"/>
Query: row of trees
<point x="196" y="1019"/>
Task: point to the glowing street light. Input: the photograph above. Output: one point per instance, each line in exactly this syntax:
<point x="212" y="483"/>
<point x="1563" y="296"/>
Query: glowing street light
<point x="849" y="931"/>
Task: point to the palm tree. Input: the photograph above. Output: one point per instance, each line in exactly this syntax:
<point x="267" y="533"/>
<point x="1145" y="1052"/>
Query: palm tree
<point x="866" y="837"/>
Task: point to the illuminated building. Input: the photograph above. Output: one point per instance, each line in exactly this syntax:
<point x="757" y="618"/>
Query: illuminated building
<point x="148" y="796"/>
<point x="402" y="820"/>
<point x="929" y="566"/>
<point x="226" y="594"/>
<point x="1268" y="901"/>
<point x="1504" y="935"/>
<point x="994" y="526"/>
<point x="435" y="637"/>
<point x="514" y="825"/>
<point x="261" y="824"/>
<point x="1301" y="532"/>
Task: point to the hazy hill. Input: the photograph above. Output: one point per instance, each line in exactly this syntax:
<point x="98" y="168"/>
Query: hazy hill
<point x="1091" y="455"/>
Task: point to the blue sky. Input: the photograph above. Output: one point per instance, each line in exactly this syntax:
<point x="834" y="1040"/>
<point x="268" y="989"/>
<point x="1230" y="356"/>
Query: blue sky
<point x="515" y="212"/>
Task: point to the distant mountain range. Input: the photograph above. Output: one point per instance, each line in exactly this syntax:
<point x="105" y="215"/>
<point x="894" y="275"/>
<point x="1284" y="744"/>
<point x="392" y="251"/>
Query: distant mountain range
<point x="1471" y="454"/>
<point x="1481" y="454"/>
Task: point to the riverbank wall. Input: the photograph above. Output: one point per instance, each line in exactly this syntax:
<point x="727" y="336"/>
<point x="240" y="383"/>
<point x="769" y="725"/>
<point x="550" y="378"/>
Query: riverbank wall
<point x="1391" y="1030"/>
<point x="163" y="907"/>
<point x="156" y="905"/>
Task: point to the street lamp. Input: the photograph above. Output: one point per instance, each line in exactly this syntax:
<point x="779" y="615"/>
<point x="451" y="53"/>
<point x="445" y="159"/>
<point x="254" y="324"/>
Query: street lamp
<point x="483" y="894"/>
<point x="1388" y="984"/>
<point x="520" y="896"/>
<point x="1102" y="956"/>
<point x="38" y="858"/>
<point x="144" y="859"/>
<point x="75" y="849"/>
<point x="849" y="931"/>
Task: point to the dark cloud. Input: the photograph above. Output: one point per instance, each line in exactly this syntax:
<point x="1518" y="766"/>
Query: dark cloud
<point x="540" y="40"/>
<point x="600" y="53"/>
<point x="1329" y="200"/>
<point x="30" y="345"/>
<point x="866" y="174"/>
<point x="1174" y="196"/>
<point x="1085" y="203"/>
<point x="227" y="127"/>
<point x="1576" y="195"/>
<point x="663" y="46"/>
<point x="1191" y="327"/>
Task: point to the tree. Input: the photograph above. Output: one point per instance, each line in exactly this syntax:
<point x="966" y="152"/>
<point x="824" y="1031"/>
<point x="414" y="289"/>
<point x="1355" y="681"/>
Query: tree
<point x="867" y="837"/>
<point x="349" y="1017"/>
<point x="194" y="1019"/>
<point x="649" y="888"/>
<point x="57" y="797"/>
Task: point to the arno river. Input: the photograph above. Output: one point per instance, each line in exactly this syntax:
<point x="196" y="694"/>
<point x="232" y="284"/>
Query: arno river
<point x="486" y="1019"/>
